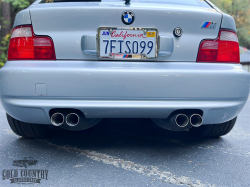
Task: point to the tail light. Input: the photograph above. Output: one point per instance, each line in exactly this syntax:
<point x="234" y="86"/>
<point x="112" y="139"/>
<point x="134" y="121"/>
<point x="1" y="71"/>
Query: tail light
<point x="225" y="49"/>
<point x="25" y="45"/>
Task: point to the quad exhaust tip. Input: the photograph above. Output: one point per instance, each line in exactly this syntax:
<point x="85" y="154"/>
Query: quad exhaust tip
<point x="196" y="120"/>
<point x="72" y="119"/>
<point x="57" y="119"/>
<point x="181" y="120"/>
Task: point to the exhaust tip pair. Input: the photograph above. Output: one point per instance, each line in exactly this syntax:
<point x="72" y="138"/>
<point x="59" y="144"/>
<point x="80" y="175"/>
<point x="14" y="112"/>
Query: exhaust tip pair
<point x="72" y="119"/>
<point x="182" y="120"/>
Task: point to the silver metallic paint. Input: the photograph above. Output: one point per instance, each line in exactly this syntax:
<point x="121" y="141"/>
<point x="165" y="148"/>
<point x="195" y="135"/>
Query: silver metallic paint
<point x="22" y="18"/>
<point x="88" y="44"/>
<point x="228" y="22"/>
<point x="105" y="89"/>
<point x="81" y="19"/>
<point x="122" y="89"/>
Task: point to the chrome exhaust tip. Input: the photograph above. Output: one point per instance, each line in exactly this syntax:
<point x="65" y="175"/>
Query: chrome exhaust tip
<point x="72" y="119"/>
<point x="196" y="120"/>
<point x="57" y="119"/>
<point x="181" y="120"/>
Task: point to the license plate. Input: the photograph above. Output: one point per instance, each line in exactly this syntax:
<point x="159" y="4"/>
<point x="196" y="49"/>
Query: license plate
<point x="127" y="43"/>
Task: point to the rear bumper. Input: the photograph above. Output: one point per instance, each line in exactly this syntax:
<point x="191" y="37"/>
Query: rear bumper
<point x="104" y="89"/>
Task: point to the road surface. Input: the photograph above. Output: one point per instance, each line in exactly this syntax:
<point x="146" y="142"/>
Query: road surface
<point x="131" y="152"/>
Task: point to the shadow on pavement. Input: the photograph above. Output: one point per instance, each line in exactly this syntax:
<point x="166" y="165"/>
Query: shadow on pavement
<point x="128" y="133"/>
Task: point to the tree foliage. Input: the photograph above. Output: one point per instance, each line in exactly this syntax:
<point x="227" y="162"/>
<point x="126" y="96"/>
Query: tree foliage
<point x="4" y="49"/>
<point x="240" y="10"/>
<point x="16" y="6"/>
<point x="20" y="4"/>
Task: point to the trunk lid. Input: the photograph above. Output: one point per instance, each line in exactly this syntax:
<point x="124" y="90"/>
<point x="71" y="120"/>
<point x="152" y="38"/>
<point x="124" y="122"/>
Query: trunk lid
<point x="73" y="26"/>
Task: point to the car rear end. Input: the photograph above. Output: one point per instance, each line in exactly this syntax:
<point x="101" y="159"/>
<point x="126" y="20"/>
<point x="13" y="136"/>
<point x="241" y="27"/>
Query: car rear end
<point x="110" y="60"/>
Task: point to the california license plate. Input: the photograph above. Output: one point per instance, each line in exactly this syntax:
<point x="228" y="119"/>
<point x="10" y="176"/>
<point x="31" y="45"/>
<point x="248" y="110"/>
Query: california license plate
<point x="127" y="43"/>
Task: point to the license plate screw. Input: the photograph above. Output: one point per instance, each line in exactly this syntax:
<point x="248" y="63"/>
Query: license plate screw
<point x="110" y="31"/>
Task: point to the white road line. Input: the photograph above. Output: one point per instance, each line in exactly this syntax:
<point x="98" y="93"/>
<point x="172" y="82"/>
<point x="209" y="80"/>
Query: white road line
<point x="9" y="131"/>
<point x="150" y="171"/>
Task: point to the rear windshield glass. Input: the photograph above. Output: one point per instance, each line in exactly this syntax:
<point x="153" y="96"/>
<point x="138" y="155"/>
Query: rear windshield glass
<point x="200" y="3"/>
<point x="60" y="1"/>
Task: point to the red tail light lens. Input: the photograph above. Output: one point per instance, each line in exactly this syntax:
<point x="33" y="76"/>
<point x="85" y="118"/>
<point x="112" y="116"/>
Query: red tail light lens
<point x="225" y="49"/>
<point x="24" y="45"/>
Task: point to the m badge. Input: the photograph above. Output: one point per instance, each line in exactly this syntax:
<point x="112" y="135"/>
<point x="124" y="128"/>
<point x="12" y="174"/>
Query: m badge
<point x="209" y="25"/>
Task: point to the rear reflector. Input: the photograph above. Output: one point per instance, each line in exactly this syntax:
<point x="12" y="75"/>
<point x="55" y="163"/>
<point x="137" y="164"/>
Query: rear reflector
<point x="25" y="45"/>
<point x="225" y="49"/>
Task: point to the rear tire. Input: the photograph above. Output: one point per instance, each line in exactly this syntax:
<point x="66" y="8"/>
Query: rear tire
<point x="213" y="131"/>
<point x="28" y="130"/>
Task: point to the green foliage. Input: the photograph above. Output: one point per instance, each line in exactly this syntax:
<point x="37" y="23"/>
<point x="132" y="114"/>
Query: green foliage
<point x="17" y="5"/>
<point x="4" y="49"/>
<point x="20" y="4"/>
<point x="240" y="10"/>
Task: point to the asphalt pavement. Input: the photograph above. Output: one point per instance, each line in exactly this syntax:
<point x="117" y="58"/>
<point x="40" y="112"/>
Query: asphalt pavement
<point x="128" y="152"/>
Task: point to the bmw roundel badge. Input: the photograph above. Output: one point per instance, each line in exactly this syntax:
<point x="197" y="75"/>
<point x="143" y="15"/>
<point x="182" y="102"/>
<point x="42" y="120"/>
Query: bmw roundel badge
<point x="128" y="17"/>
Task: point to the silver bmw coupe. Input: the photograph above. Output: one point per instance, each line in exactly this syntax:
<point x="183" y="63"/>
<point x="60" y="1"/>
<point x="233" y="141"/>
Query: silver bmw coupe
<point x="72" y="63"/>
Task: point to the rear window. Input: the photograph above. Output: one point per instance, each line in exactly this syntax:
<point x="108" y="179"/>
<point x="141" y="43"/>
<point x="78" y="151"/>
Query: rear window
<point x="200" y="3"/>
<point x="60" y="1"/>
